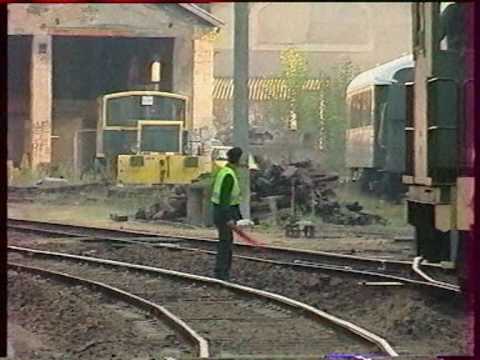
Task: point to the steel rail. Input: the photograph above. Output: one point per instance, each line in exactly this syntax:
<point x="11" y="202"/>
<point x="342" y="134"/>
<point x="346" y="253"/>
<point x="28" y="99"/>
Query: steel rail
<point x="315" y="266"/>
<point x="158" y="311"/>
<point x="380" y="342"/>
<point x="16" y="222"/>
<point x="296" y="264"/>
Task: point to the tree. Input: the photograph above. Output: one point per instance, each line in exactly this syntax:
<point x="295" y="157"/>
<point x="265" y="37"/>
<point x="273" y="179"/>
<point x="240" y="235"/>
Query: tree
<point x="302" y="104"/>
<point x="320" y="115"/>
<point x="335" y="114"/>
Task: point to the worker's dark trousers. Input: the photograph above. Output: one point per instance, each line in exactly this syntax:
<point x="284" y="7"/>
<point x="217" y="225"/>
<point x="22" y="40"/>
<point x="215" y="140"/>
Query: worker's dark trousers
<point x="224" y="251"/>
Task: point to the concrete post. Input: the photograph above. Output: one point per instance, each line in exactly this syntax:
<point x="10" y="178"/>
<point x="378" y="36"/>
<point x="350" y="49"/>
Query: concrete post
<point x="240" y="99"/>
<point x="41" y="100"/>
<point x="202" y="100"/>
<point x="183" y="73"/>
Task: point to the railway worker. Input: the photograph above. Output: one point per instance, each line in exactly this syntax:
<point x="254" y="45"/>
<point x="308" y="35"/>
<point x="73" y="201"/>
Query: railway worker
<point x="226" y="210"/>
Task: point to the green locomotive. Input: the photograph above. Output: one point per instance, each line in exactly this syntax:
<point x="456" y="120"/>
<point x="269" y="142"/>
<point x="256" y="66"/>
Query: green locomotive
<point x="439" y="135"/>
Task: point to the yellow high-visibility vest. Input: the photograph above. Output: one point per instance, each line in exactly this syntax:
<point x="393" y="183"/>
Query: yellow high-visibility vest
<point x="217" y="186"/>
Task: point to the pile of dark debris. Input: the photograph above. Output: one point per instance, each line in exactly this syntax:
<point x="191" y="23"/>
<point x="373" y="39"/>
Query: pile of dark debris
<point x="172" y="207"/>
<point x="301" y="187"/>
<point x="307" y="189"/>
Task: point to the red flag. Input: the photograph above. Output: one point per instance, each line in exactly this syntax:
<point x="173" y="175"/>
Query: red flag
<point x="247" y="238"/>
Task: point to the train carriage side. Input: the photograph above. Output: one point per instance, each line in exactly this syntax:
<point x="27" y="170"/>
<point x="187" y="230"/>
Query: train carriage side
<point x="141" y="138"/>
<point x="359" y="147"/>
<point x="377" y="112"/>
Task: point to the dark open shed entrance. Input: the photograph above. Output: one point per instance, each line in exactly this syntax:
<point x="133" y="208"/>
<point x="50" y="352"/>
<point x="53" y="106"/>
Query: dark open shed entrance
<point x="86" y="67"/>
<point x="18" y="86"/>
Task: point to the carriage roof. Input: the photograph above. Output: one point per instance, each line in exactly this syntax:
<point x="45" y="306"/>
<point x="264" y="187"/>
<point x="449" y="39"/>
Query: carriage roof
<point x="381" y="75"/>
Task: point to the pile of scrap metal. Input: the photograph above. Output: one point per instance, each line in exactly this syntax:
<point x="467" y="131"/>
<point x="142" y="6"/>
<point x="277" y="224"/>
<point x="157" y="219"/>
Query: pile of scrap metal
<point x="304" y="189"/>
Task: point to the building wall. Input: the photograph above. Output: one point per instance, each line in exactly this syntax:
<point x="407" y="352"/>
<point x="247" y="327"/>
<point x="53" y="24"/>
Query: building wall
<point x="192" y="73"/>
<point x="41" y="101"/>
<point x="203" y="82"/>
<point x="100" y="19"/>
<point x="365" y="33"/>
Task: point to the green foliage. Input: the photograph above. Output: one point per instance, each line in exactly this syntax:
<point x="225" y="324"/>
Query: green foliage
<point x="278" y="113"/>
<point x="308" y="112"/>
<point x="328" y="125"/>
<point x="336" y="115"/>
<point x="24" y="176"/>
<point x="294" y="71"/>
<point x="305" y="104"/>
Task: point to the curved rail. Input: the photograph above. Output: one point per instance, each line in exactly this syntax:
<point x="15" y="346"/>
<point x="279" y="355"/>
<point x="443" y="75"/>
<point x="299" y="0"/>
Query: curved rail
<point x="317" y="266"/>
<point x="416" y="267"/>
<point x="296" y="264"/>
<point x="160" y="312"/>
<point x="316" y="313"/>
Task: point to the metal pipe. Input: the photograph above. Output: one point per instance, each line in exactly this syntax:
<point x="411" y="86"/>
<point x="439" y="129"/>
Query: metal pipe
<point x="416" y="267"/>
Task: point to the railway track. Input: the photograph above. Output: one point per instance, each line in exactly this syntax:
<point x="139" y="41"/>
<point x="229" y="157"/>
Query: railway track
<point x="133" y="310"/>
<point x="386" y="271"/>
<point x="232" y="319"/>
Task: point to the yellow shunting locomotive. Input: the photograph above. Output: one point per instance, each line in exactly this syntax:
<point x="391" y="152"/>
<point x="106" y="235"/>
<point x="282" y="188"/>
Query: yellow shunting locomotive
<point x="142" y="139"/>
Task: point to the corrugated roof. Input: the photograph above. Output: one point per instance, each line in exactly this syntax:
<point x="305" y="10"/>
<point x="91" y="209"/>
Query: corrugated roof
<point x="380" y="75"/>
<point x="261" y="89"/>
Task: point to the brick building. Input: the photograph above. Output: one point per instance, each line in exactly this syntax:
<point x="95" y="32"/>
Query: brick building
<point x="61" y="58"/>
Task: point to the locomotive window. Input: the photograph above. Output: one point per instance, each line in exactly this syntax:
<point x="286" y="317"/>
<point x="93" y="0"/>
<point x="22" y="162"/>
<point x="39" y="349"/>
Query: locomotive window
<point x="163" y="138"/>
<point x="127" y="110"/>
<point x="383" y="128"/>
<point x="452" y="26"/>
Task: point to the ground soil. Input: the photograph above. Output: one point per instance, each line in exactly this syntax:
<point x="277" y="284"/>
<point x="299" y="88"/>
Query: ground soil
<point x="415" y="322"/>
<point x="51" y="320"/>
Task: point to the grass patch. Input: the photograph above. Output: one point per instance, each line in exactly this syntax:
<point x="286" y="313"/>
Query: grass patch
<point x="98" y="204"/>
<point x="26" y="176"/>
